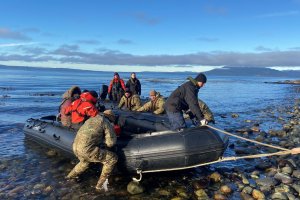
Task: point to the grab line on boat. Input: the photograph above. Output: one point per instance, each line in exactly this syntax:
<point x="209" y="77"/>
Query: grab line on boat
<point x="283" y="151"/>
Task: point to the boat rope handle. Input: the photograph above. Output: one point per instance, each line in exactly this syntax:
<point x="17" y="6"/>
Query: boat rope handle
<point x="249" y="140"/>
<point x="139" y="172"/>
<point x="283" y="151"/>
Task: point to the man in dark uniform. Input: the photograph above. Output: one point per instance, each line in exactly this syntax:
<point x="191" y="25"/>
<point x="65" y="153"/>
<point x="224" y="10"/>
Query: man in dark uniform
<point x="134" y="84"/>
<point x="183" y="98"/>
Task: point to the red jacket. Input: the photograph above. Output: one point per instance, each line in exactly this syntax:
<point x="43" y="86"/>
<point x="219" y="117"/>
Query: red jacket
<point x="116" y="81"/>
<point x="82" y="108"/>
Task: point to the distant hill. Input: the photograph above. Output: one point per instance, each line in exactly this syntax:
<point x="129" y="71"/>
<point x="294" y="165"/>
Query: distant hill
<point x="252" y="71"/>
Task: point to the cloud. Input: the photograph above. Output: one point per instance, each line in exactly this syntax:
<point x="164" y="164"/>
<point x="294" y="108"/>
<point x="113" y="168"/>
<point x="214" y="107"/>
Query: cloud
<point x="207" y="39"/>
<point x="17" y="44"/>
<point x="90" y="42"/>
<point x="34" y="50"/>
<point x="145" y="19"/>
<point x="72" y="54"/>
<point x="31" y="30"/>
<point x="124" y="41"/>
<point x="15" y="35"/>
<point x="261" y="48"/>
<point x="280" y="14"/>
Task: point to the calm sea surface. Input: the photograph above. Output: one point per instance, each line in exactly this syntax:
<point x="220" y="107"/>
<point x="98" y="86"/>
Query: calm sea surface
<point x="27" y="172"/>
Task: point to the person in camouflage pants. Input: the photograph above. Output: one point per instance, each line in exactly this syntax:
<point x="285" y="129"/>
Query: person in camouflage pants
<point x="129" y="101"/>
<point x="206" y="112"/>
<point x="86" y="147"/>
<point x="156" y="105"/>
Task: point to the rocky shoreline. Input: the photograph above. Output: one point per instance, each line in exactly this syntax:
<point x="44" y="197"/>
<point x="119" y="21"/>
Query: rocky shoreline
<point x="276" y="177"/>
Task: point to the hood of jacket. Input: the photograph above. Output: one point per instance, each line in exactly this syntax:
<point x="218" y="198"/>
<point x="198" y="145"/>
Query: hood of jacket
<point x="86" y="96"/>
<point x="69" y="93"/>
<point x="194" y="81"/>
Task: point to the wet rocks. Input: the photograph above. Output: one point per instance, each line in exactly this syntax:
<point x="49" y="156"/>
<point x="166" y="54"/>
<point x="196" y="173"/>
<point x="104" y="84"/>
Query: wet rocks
<point x="135" y="187"/>
<point x="258" y="194"/>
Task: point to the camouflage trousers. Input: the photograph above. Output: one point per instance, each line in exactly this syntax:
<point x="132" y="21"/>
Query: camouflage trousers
<point x="107" y="158"/>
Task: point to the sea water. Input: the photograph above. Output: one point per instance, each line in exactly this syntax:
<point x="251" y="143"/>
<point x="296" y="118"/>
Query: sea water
<point x="27" y="171"/>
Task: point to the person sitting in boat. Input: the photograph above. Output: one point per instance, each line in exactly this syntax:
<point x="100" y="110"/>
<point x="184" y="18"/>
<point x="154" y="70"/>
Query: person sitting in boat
<point x="68" y="97"/>
<point x="83" y="108"/>
<point x="183" y="98"/>
<point x="129" y="101"/>
<point x="155" y="105"/>
<point x="134" y="84"/>
<point x="116" y="88"/>
<point x="206" y="112"/>
<point x="86" y="147"/>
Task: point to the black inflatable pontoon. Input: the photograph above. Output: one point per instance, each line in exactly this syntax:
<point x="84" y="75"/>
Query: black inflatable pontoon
<point x="145" y="144"/>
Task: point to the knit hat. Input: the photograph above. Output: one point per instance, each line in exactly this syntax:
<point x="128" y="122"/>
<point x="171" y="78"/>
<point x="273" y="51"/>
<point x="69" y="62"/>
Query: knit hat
<point x="201" y="78"/>
<point x="116" y="73"/>
<point x="127" y="90"/>
<point x="110" y="115"/>
<point x="152" y="93"/>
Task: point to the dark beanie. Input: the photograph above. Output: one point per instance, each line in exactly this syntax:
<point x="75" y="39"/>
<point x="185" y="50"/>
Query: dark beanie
<point x="201" y="78"/>
<point x="94" y="93"/>
<point x="127" y="90"/>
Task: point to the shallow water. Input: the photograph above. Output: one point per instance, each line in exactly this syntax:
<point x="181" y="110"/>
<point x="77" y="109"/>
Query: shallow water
<point x="28" y="171"/>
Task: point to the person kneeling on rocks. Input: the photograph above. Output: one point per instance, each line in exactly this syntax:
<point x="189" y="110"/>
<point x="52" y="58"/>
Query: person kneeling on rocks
<point x="86" y="147"/>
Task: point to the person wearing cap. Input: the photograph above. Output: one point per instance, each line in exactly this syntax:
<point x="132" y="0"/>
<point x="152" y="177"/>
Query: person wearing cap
<point x="183" y="98"/>
<point x="155" y="105"/>
<point x="87" y="148"/>
<point x="116" y="88"/>
<point x="134" y="84"/>
<point x="129" y="101"/>
<point x="82" y="108"/>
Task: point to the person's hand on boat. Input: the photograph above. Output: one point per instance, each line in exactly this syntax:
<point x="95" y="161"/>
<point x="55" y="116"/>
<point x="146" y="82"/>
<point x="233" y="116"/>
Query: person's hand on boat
<point x="203" y="122"/>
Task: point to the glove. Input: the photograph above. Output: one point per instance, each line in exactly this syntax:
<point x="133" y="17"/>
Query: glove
<point x="203" y="122"/>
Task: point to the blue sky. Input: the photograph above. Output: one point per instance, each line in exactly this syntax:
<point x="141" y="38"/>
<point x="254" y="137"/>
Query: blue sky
<point x="150" y="35"/>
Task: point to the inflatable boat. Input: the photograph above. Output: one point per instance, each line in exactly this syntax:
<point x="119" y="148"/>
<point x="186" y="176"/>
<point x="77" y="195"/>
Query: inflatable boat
<point x="146" y="142"/>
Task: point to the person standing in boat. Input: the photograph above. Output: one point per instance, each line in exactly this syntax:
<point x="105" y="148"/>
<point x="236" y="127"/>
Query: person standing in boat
<point x="86" y="147"/>
<point x="183" y="98"/>
<point x="116" y="88"/>
<point x="134" y="84"/>
<point x="68" y="97"/>
<point x="83" y="108"/>
<point x="155" y="105"/>
<point x="129" y="101"/>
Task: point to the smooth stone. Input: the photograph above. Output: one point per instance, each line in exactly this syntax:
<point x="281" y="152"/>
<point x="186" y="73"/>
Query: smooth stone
<point x="234" y="115"/>
<point x="164" y="192"/>
<point x="268" y="181"/>
<point x="282" y="188"/>
<point x="215" y="177"/>
<point x="247" y="190"/>
<point x="135" y="188"/>
<point x="201" y="194"/>
<point x="39" y="186"/>
<point x="255" y="129"/>
<point x="279" y="196"/>
<point x="290" y="196"/>
<point x="51" y="153"/>
<point x="287" y="170"/>
<point x="245" y="196"/>
<point x="285" y="179"/>
<point x="258" y="194"/>
<point x="296" y="173"/>
<point x="225" y="189"/>
<point x="218" y="196"/>
<point x="296" y="187"/>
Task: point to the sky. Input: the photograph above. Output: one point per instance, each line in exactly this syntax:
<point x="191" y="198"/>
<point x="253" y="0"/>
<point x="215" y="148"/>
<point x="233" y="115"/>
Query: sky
<point x="150" y="35"/>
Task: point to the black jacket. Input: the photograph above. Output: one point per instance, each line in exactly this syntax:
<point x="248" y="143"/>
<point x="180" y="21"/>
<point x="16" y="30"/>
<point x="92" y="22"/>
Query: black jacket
<point x="183" y="98"/>
<point x="134" y="86"/>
